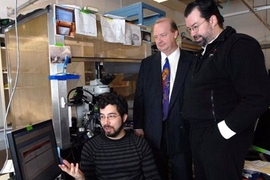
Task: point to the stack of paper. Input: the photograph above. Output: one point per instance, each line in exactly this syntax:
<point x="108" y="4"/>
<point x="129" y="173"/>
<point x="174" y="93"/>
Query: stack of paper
<point x="255" y="167"/>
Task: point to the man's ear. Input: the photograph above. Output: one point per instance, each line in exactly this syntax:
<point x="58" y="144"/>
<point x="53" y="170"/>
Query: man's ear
<point x="213" y="20"/>
<point x="125" y="117"/>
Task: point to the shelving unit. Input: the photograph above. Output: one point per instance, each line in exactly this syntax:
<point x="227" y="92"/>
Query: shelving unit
<point x="38" y="98"/>
<point x="137" y="10"/>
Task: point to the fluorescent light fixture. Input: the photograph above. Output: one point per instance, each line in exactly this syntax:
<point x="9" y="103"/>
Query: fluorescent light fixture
<point x="160" y="1"/>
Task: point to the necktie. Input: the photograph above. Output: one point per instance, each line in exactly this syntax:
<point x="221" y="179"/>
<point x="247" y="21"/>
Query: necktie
<point x="166" y="87"/>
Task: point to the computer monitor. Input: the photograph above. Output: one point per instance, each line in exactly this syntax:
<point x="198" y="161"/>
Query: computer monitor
<point x="64" y="14"/>
<point x="261" y="142"/>
<point x="65" y="20"/>
<point x="34" y="152"/>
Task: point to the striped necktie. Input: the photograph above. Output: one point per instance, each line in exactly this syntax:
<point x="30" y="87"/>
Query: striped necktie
<point x="166" y="88"/>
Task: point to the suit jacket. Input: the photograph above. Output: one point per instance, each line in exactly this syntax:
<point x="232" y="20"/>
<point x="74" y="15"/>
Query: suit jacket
<point x="147" y="109"/>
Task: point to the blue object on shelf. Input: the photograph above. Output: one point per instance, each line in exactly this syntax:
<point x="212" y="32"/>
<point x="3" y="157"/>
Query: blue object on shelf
<point x="64" y="76"/>
<point x="137" y="10"/>
<point x="67" y="60"/>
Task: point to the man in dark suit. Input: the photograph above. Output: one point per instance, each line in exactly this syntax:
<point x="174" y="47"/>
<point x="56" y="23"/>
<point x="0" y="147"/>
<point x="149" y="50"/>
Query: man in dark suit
<point x="168" y="135"/>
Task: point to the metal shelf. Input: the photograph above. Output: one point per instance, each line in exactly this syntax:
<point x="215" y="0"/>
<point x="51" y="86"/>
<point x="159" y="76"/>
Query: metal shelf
<point x="137" y="9"/>
<point x="104" y="59"/>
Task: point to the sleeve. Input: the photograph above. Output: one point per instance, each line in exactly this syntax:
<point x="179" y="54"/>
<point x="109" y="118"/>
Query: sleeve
<point x="138" y="106"/>
<point x="148" y="163"/>
<point x="251" y="82"/>
<point x="225" y="131"/>
<point x="87" y="162"/>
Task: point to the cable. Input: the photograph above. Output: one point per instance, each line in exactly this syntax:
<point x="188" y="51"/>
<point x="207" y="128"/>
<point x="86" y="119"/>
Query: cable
<point x="14" y="87"/>
<point x="79" y="97"/>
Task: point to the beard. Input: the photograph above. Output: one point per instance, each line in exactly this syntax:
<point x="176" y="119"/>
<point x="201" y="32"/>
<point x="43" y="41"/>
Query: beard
<point x="114" y="132"/>
<point x="202" y="42"/>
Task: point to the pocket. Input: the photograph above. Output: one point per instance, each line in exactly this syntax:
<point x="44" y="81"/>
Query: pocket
<point x="212" y="138"/>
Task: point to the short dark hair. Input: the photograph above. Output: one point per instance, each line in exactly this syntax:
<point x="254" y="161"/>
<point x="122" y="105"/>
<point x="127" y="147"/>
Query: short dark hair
<point x="113" y="98"/>
<point x="207" y="8"/>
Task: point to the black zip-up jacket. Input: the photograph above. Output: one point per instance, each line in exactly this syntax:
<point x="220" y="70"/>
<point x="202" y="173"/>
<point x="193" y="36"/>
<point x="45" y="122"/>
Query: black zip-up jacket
<point x="229" y="82"/>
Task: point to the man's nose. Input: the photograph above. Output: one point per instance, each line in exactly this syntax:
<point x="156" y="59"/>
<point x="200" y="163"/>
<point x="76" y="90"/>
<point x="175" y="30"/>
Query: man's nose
<point x="106" y="120"/>
<point x="192" y="33"/>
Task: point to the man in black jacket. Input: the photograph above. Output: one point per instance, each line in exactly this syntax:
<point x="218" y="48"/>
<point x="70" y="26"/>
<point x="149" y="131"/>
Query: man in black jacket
<point x="229" y="91"/>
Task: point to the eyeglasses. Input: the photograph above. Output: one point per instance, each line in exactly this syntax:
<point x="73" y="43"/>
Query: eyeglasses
<point x="195" y="28"/>
<point x="109" y="116"/>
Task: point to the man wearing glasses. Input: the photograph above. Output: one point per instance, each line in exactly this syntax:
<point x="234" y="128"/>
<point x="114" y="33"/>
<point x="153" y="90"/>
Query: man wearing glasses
<point x="115" y="153"/>
<point x="229" y="91"/>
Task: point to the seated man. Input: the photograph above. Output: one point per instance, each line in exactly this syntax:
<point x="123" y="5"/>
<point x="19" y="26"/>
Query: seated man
<point x="115" y="153"/>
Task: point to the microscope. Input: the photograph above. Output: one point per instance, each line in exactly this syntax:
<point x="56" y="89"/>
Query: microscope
<point x="84" y="101"/>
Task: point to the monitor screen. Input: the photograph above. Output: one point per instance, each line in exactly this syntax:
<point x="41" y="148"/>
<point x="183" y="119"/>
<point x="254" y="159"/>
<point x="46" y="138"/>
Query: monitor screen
<point x="34" y="152"/>
<point x="261" y="142"/>
<point x="64" y="14"/>
<point x="65" y="21"/>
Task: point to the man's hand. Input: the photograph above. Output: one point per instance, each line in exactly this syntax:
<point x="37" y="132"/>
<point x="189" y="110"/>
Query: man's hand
<point x="72" y="170"/>
<point x="139" y="132"/>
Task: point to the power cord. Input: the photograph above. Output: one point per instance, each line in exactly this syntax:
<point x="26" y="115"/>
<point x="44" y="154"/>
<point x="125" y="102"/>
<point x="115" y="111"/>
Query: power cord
<point x="14" y="87"/>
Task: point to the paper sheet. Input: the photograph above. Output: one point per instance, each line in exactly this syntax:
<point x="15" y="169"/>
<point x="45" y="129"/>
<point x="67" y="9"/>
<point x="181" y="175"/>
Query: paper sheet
<point x="133" y="35"/>
<point x="113" y="30"/>
<point x="8" y="167"/>
<point x="85" y="23"/>
<point x="258" y="166"/>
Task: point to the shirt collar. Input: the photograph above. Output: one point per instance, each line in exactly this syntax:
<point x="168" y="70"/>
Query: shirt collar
<point x="204" y="47"/>
<point x="176" y="53"/>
